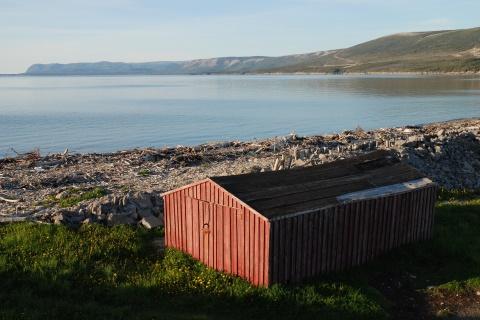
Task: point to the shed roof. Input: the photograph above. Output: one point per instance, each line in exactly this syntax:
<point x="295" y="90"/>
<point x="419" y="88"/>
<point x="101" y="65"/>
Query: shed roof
<point x="277" y="193"/>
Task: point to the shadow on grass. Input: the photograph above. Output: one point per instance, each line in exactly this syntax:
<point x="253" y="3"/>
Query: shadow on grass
<point x="26" y="298"/>
<point x="409" y="276"/>
<point x="101" y="273"/>
<point x="451" y="256"/>
<point x="114" y="273"/>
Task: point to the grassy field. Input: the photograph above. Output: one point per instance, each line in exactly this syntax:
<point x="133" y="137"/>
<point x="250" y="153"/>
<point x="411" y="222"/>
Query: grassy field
<point x="49" y="271"/>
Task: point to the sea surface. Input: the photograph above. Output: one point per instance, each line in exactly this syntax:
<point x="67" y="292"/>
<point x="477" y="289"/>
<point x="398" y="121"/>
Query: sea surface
<point x="110" y="113"/>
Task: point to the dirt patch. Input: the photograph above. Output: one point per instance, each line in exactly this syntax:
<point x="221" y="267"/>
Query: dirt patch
<point x="451" y="305"/>
<point x="409" y="302"/>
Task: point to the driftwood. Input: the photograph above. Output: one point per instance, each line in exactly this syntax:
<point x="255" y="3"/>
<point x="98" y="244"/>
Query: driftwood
<point x="13" y="219"/>
<point x="2" y="198"/>
<point x="442" y="151"/>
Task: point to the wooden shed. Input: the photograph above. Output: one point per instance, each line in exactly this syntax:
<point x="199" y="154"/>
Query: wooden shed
<point x="284" y="226"/>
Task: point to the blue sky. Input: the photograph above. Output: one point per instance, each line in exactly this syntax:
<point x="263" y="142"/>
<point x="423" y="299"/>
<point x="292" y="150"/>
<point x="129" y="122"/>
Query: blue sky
<point x="46" y="31"/>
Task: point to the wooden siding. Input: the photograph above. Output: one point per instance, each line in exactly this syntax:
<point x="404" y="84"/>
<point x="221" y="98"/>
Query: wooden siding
<point x="346" y="235"/>
<point x="213" y="227"/>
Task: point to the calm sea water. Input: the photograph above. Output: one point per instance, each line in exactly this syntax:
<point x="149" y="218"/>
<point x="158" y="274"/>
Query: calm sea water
<point x="99" y="114"/>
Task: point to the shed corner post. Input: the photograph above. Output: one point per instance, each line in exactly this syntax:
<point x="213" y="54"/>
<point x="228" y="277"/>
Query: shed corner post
<point x="165" y="221"/>
<point x="269" y="252"/>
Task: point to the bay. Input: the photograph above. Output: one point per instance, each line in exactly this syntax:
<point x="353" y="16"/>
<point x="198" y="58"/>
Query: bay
<point x="110" y="113"/>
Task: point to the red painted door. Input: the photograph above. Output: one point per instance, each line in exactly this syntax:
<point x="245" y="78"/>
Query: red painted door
<point x="206" y="232"/>
<point x="217" y="235"/>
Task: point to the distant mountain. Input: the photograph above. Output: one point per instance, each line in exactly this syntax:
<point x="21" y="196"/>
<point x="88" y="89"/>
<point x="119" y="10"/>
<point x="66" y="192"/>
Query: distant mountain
<point x="434" y="51"/>
<point x="200" y="66"/>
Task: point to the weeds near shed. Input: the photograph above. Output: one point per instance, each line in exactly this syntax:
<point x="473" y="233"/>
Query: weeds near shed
<point x="73" y="197"/>
<point x="457" y="194"/>
<point x="144" y="172"/>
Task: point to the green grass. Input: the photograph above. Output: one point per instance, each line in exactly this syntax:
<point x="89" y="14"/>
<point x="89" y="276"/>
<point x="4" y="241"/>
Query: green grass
<point x="74" y="197"/>
<point x="457" y="195"/>
<point x="49" y="271"/>
<point x="144" y="172"/>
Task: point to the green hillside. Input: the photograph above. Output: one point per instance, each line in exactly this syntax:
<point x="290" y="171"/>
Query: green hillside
<point x="436" y="51"/>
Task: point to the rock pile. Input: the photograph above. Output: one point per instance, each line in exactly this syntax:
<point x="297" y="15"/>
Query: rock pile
<point x="449" y="152"/>
<point x="126" y="185"/>
<point x="451" y="159"/>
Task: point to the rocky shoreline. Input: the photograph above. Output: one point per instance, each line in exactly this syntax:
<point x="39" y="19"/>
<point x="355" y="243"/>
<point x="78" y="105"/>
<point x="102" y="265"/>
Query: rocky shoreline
<point x="124" y="187"/>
